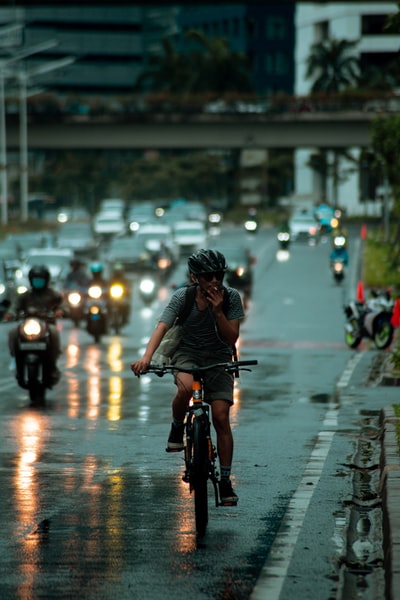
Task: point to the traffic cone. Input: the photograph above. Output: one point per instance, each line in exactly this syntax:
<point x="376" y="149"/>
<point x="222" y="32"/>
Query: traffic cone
<point x="360" y="292"/>
<point x="363" y="232"/>
<point x="395" y="320"/>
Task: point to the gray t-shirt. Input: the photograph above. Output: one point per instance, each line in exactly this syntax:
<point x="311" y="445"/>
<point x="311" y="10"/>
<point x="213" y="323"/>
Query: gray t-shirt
<point x="199" y="330"/>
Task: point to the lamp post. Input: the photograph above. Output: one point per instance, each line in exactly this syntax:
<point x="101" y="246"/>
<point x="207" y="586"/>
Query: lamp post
<point x="24" y="77"/>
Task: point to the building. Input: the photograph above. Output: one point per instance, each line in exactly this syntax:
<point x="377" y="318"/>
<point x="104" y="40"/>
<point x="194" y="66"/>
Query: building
<point x="362" y="22"/>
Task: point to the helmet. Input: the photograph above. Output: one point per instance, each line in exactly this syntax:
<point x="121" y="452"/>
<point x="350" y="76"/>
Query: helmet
<point x="96" y="267"/>
<point x="206" y="261"/>
<point x="39" y="277"/>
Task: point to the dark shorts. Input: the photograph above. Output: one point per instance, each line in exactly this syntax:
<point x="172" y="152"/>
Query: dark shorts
<point x="217" y="384"/>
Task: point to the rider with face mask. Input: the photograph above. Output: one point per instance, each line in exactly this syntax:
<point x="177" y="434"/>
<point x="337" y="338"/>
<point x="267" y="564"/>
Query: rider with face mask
<point x="41" y="297"/>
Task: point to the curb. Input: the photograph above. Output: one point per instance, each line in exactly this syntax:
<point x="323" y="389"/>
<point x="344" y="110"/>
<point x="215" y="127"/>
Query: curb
<point x="390" y="492"/>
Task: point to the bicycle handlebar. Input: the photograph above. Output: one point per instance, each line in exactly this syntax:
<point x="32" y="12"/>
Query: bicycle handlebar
<point x="160" y="370"/>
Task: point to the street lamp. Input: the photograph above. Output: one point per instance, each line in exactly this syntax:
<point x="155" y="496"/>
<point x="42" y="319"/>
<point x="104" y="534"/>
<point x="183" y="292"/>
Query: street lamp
<point x="24" y="76"/>
<point x="4" y="64"/>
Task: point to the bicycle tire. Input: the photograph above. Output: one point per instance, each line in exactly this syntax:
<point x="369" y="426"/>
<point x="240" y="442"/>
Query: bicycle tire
<point x="200" y="476"/>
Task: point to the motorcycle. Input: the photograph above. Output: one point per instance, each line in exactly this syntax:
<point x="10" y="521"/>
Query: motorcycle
<point x="118" y="308"/>
<point x="371" y="320"/>
<point x="147" y="289"/>
<point x="96" y="312"/>
<point x="33" y="354"/>
<point x="283" y="238"/>
<point x="338" y="270"/>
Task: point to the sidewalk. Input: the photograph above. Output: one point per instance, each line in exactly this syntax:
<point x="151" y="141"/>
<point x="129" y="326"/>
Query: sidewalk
<point x="390" y="483"/>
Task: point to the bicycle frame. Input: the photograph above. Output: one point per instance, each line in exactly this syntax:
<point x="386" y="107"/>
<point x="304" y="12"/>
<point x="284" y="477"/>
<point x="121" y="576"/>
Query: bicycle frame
<point x="200" y="453"/>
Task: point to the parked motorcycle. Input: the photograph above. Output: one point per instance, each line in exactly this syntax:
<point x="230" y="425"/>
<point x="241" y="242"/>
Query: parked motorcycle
<point x="148" y="289"/>
<point x="33" y="359"/>
<point x="118" y="307"/>
<point x="96" y="312"/>
<point x="338" y="270"/>
<point x="371" y="320"/>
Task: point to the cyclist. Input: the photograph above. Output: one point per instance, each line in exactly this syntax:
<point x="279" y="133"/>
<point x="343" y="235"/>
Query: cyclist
<point x="208" y="335"/>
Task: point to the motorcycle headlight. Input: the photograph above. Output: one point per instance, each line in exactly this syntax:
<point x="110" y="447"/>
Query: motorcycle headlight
<point x="21" y="289"/>
<point x="32" y="328"/>
<point x="250" y="225"/>
<point x="240" y="271"/>
<point x="116" y="291"/>
<point x="163" y="263"/>
<point x="147" y="286"/>
<point x="74" y="298"/>
<point x="95" y="292"/>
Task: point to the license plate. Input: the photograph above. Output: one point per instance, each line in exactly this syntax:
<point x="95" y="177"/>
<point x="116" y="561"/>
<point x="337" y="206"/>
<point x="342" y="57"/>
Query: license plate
<point x="33" y="346"/>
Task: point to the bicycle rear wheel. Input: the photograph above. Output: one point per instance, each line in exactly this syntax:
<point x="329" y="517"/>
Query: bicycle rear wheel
<point x="200" y="476"/>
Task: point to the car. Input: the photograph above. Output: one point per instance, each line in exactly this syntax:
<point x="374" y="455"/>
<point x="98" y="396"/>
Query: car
<point x="240" y="263"/>
<point x="55" y="259"/>
<point x="140" y="214"/>
<point x="157" y="236"/>
<point x="79" y="237"/>
<point x="130" y="252"/>
<point x="116" y="205"/>
<point x="304" y="226"/>
<point x="190" y="236"/>
<point x="108" y="224"/>
<point x="7" y="289"/>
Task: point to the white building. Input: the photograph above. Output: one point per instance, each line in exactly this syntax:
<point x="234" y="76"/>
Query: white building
<point x="353" y="21"/>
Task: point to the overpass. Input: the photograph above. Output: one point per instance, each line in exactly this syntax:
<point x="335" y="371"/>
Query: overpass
<point x="341" y="129"/>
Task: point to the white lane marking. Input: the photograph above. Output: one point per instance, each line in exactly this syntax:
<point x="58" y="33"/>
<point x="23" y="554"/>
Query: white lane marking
<point x="348" y="372"/>
<point x="273" y="574"/>
<point x="270" y="582"/>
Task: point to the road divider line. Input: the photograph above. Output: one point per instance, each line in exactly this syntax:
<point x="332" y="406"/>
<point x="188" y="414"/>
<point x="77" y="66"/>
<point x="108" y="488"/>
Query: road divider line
<point x="349" y="370"/>
<point x="273" y="574"/>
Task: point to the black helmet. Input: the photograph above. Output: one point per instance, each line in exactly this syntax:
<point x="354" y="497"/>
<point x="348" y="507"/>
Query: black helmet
<point x="39" y="276"/>
<point x="206" y="261"/>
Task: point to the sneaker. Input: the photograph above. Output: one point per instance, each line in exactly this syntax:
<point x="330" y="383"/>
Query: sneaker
<point x="226" y="493"/>
<point x="175" y="439"/>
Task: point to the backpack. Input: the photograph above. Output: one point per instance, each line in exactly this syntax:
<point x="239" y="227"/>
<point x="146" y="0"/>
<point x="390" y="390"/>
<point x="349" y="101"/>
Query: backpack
<point x="171" y="339"/>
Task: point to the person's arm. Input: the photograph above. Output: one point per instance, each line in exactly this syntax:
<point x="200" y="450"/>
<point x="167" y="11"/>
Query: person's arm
<point x="140" y="366"/>
<point x="227" y="329"/>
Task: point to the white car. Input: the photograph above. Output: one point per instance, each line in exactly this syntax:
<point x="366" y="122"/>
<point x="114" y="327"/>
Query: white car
<point x="108" y="224"/>
<point x="190" y="236"/>
<point x="55" y="259"/>
<point x="156" y="235"/>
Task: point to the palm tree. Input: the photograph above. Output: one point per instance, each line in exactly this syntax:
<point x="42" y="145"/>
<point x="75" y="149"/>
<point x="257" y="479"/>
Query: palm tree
<point x="332" y="65"/>
<point x="217" y="68"/>
<point x="165" y="72"/>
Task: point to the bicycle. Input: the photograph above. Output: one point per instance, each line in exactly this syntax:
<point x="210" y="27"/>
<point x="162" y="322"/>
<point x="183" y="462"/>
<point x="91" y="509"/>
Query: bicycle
<point x="199" y="452"/>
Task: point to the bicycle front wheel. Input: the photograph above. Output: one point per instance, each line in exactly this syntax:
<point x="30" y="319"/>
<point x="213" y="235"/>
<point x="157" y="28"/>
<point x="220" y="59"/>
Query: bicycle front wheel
<point x="200" y="476"/>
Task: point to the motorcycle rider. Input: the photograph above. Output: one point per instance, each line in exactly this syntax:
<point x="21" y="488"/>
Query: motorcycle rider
<point x="97" y="272"/>
<point x="77" y="277"/>
<point x="39" y="297"/>
<point x="118" y="277"/>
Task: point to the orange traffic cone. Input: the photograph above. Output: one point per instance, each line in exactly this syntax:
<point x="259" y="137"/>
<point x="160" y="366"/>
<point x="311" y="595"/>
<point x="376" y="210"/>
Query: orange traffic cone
<point x="363" y="232"/>
<point x="395" y="320"/>
<point x="360" y="292"/>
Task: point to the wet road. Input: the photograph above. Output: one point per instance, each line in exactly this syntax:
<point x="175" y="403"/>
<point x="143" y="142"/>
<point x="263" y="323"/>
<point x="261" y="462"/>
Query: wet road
<point x="93" y="507"/>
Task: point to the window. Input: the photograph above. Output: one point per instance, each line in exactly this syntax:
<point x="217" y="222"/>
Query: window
<point x="275" y="28"/>
<point x="373" y="24"/>
<point x="276" y="63"/>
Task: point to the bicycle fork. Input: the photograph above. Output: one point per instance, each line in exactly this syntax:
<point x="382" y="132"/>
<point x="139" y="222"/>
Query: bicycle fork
<point x="195" y="461"/>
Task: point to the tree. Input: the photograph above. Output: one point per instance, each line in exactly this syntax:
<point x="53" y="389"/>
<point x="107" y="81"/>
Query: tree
<point x="217" y="68"/>
<point x="385" y="139"/>
<point x="333" y="65"/>
<point x="212" y="68"/>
